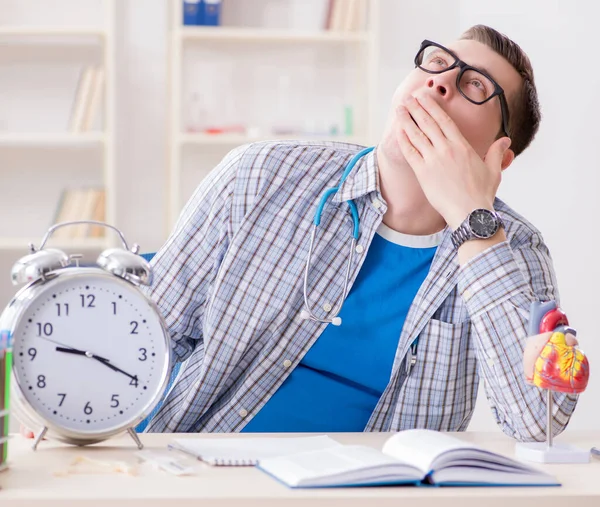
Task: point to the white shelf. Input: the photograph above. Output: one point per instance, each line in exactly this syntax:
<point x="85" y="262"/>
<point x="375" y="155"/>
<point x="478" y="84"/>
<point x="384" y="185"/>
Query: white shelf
<point x="50" y="31"/>
<point x="238" y="139"/>
<point x="22" y="244"/>
<point x="219" y="33"/>
<point x="50" y="139"/>
<point x="360" y="50"/>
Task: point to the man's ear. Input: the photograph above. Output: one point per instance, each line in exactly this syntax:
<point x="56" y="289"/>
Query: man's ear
<point x="507" y="159"/>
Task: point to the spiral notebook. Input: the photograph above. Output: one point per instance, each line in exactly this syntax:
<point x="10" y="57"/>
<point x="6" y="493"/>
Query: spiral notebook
<point x="224" y="451"/>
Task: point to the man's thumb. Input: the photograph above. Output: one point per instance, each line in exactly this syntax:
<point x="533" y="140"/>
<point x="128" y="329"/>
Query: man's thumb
<point x="496" y="151"/>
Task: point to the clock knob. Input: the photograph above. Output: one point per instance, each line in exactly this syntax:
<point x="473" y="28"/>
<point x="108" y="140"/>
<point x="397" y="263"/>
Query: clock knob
<point x="38" y="265"/>
<point x="127" y="265"/>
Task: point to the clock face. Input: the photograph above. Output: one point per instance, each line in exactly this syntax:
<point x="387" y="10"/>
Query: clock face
<point x="90" y="353"/>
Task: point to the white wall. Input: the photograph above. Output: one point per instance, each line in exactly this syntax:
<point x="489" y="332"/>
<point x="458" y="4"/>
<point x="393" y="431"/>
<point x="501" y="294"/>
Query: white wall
<point x="554" y="184"/>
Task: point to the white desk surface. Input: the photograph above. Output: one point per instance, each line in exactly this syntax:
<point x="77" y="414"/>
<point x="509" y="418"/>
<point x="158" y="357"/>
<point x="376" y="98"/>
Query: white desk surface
<point x="32" y="480"/>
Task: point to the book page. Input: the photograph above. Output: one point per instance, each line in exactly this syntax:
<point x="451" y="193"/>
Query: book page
<point x="339" y="466"/>
<point x="422" y="447"/>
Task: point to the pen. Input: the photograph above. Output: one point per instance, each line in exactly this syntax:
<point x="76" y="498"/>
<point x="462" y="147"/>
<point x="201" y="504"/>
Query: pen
<point x="595" y="452"/>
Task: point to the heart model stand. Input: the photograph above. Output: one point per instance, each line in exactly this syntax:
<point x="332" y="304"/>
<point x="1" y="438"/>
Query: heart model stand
<point x="557" y="367"/>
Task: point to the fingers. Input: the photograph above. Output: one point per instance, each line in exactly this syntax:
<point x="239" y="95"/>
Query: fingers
<point x="444" y="122"/>
<point x="415" y="135"/>
<point x="411" y="154"/>
<point x="425" y="121"/>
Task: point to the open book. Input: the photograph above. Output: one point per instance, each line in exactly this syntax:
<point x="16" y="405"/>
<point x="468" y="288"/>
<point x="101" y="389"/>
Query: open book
<point x="422" y="457"/>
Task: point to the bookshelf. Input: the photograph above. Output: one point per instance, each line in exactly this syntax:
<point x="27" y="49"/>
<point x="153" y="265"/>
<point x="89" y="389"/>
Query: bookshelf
<point x="192" y="154"/>
<point x="52" y="31"/>
<point x="220" y="33"/>
<point x="33" y="152"/>
<point x="51" y="139"/>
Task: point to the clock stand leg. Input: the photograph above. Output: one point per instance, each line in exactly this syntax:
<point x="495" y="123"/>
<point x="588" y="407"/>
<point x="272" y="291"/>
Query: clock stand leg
<point x="39" y="437"/>
<point x="135" y="437"/>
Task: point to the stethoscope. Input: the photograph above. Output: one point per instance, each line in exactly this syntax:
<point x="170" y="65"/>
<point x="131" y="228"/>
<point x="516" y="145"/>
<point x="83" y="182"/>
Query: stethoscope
<point x="336" y="320"/>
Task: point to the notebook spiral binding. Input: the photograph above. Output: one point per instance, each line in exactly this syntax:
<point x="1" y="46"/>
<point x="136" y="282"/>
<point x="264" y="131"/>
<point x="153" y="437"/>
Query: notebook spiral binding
<point x="234" y="462"/>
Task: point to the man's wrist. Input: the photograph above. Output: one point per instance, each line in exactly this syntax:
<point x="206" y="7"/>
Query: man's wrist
<point x="470" y="249"/>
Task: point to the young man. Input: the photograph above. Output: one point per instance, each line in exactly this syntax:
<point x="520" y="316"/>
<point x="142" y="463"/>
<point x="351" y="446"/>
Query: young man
<point x="439" y="280"/>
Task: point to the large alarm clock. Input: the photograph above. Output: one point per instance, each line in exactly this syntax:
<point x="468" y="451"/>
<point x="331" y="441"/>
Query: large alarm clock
<point x="91" y="353"/>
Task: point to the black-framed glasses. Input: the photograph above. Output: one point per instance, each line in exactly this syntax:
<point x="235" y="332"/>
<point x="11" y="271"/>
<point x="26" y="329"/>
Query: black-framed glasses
<point x="473" y="84"/>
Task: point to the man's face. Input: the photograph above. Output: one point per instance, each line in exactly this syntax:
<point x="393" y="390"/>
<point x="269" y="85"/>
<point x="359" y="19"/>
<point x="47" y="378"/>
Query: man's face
<point x="479" y="124"/>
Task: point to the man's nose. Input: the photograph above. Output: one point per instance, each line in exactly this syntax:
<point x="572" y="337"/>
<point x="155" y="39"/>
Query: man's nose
<point x="442" y="84"/>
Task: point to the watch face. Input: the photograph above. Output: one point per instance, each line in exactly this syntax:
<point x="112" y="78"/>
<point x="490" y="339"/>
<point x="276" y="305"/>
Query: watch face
<point x="90" y="353"/>
<point x="483" y="223"/>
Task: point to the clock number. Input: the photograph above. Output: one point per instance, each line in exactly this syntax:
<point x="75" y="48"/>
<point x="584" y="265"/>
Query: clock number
<point x="65" y="307"/>
<point x="144" y="355"/>
<point x="134" y="326"/>
<point x="87" y="410"/>
<point x="134" y="382"/>
<point x="114" y="401"/>
<point x="64" y="395"/>
<point x="41" y="383"/>
<point x="114" y="308"/>
<point x="45" y="329"/>
<point x="90" y="297"/>
<point x="32" y="353"/>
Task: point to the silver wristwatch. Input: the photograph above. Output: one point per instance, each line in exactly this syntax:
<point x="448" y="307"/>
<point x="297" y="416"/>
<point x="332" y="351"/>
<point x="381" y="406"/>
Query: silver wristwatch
<point x="480" y="224"/>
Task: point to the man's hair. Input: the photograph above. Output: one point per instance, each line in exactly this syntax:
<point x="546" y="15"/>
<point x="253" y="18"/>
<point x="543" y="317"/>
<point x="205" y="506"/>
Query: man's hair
<point x="525" y="114"/>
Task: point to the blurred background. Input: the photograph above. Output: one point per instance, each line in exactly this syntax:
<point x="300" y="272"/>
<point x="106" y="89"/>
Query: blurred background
<point x="116" y="110"/>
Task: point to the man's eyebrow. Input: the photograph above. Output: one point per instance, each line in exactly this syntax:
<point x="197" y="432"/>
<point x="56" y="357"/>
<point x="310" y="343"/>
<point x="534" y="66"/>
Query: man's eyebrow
<point x="486" y="70"/>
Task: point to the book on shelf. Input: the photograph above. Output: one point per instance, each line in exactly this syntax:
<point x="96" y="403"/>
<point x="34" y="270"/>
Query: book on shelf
<point x="80" y="203"/>
<point x="202" y="12"/>
<point x="192" y="12"/>
<point x="346" y="15"/>
<point x="410" y="457"/>
<point x="88" y="99"/>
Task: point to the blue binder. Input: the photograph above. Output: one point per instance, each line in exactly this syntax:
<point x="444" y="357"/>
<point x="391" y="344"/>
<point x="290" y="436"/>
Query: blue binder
<point x="212" y="12"/>
<point x="193" y="12"/>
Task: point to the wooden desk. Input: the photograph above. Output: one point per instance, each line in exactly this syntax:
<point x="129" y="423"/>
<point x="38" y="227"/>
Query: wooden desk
<point x="32" y="480"/>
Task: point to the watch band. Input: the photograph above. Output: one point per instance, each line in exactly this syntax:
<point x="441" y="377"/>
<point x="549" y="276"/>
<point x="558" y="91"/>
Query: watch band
<point x="462" y="234"/>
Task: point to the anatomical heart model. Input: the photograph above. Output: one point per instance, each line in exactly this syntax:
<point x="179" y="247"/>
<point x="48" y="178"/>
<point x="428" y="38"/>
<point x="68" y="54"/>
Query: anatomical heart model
<point x="553" y="362"/>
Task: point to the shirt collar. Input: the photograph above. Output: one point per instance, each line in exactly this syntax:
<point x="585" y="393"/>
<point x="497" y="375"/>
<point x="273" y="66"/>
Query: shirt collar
<point x="363" y="179"/>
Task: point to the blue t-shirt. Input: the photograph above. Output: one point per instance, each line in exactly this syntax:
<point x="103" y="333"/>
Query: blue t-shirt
<point x="339" y="381"/>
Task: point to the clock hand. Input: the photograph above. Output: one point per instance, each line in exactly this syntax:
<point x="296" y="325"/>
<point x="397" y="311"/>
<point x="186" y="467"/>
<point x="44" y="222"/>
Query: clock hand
<point x="103" y="360"/>
<point x="71" y="350"/>
<point x="113" y="367"/>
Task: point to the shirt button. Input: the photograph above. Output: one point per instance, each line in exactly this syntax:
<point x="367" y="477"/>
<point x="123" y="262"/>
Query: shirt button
<point x="243" y="412"/>
<point x="287" y="363"/>
<point x="360" y="249"/>
<point x="376" y="203"/>
<point x="490" y="362"/>
<point x="327" y="307"/>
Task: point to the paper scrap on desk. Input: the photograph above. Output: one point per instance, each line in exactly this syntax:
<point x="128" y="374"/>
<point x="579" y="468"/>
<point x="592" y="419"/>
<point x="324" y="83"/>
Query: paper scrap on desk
<point x="165" y="462"/>
<point x="85" y="465"/>
<point x="238" y="451"/>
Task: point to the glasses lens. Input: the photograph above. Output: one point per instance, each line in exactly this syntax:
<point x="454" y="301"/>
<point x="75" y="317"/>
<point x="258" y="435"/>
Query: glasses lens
<point x="475" y="86"/>
<point x="434" y="59"/>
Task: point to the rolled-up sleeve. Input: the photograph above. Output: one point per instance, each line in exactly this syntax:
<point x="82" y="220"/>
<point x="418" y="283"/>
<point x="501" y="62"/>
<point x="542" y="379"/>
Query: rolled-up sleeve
<point x="498" y="287"/>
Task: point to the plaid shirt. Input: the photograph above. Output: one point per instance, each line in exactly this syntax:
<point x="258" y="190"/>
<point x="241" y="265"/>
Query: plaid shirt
<point x="229" y="284"/>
